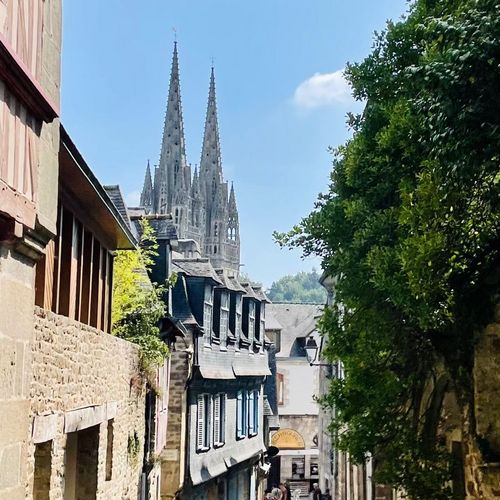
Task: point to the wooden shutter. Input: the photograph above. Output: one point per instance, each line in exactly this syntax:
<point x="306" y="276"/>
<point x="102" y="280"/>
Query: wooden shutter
<point x="200" y="428"/>
<point x="217" y="419"/>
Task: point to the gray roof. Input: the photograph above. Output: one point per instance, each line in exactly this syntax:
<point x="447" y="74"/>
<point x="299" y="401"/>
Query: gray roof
<point x="229" y="282"/>
<point x="296" y="320"/>
<point x="161" y="223"/>
<point x="180" y="303"/>
<point x="116" y="196"/>
<point x="197" y="268"/>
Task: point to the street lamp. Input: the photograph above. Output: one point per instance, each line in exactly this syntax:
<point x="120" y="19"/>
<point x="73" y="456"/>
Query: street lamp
<point x="312" y="351"/>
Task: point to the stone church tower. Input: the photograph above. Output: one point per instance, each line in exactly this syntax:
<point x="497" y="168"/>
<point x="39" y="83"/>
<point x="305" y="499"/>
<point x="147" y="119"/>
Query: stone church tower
<point x="201" y="206"/>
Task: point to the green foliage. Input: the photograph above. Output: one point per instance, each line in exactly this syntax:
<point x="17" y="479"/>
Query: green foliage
<point x="410" y="230"/>
<point x="302" y="288"/>
<point x="137" y="303"/>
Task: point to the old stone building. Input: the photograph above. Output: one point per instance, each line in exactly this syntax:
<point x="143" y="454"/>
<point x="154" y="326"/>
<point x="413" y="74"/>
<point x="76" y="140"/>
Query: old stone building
<point x="30" y="50"/>
<point x="201" y="204"/>
<point x="289" y="326"/>
<point x="86" y="427"/>
<point x="215" y="445"/>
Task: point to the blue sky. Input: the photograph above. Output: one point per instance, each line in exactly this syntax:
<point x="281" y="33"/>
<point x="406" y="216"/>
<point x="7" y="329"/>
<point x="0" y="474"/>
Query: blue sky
<point x="281" y="97"/>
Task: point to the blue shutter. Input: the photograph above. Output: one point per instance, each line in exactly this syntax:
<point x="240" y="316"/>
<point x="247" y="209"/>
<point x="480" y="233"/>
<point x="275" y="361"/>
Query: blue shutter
<point x="239" y="414"/>
<point x="256" y="412"/>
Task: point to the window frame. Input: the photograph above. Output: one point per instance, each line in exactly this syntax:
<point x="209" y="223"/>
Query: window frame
<point x="203" y="422"/>
<point x="208" y="308"/>
<point x="241" y="414"/>
<point x="219" y="420"/>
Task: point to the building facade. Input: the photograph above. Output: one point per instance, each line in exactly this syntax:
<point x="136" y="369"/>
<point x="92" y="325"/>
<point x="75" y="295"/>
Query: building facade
<point x="215" y="435"/>
<point x="30" y="52"/>
<point x="288" y="327"/>
<point x="201" y="204"/>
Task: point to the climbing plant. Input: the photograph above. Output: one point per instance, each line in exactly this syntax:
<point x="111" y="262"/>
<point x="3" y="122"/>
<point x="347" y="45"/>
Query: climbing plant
<point x="138" y="303"/>
<point x="410" y="230"/>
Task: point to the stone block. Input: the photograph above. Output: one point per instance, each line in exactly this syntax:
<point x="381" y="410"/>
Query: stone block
<point x="13" y="422"/>
<point x="16" y="314"/>
<point x="10" y="465"/>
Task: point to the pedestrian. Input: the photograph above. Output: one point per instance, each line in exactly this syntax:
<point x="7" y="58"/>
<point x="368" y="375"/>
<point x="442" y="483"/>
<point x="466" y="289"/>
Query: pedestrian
<point x="288" y="491"/>
<point x="326" y="495"/>
<point x="315" y="492"/>
<point x="284" y="493"/>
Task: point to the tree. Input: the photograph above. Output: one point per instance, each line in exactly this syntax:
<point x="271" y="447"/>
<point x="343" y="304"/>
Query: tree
<point x="410" y="229"/>
<point x="302" y="288"/>
<point x="137" y="303"/>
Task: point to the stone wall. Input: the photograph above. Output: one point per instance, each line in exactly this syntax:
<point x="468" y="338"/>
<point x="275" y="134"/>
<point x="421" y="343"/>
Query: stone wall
<point x="83" y="378"/>
<point x="482" y="450"/>
<point x="16" y="330"/>
<point x="173" y="456"/>
<point x="17" y="274"/>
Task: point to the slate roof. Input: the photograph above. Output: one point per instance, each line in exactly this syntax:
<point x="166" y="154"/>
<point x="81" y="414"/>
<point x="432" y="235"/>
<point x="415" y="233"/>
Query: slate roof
<point x="250" y="291"/>
<point x="261" y="295"/>
<point x="162" y="224"/>
<point x="229" y="282"/>
<point x="197" y="268"/>
<point x="180" y="303"/>
<point x="116" y="197"/>
<point x="297" y="321"/>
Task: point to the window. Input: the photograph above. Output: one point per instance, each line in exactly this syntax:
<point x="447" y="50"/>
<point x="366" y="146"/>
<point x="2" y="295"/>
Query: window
<point x="251" y="321"/>
<point x="298" y="467"/>
<point x="219" y="419"/>
<point x="207" y="310"/>
<point x="204" y="419"/>
<point x="262" y="320"/>
<point x="253" y="412"/>
<point x="280" y="389"/>
<point x="224" y="316"/>
<point x="239" y="302"/>
<point x="241" y="414"/>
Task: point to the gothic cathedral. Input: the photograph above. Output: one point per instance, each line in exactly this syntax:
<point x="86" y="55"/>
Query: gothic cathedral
<point x="201" y="206"/>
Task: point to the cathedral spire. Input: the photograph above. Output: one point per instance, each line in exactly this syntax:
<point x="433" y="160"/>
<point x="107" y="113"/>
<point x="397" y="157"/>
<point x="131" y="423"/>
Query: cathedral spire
<point x="172" y="166"/>
<point x="147" y="190"/>
<point x="211" y="164"/>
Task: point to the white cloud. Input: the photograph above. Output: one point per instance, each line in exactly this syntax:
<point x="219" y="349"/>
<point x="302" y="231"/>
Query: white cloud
<point x="133" y="199"/>
<point x="323" y="89"/>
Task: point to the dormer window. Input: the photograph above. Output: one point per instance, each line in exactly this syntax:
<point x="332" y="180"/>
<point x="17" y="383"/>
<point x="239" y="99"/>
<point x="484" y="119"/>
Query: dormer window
<point x="207" y="310"/>
<point x="224" y="317"/>
<point x="251" y="321"/>
<point x="239" y="303"/>
<point x="262" y="322"/>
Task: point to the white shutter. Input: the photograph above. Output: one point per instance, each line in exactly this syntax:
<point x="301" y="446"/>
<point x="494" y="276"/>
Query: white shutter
<point x="217" y="415"/>
<point x="223" y="418"/>
<point x="209" y="421"/>
<point x="200" y="430"/>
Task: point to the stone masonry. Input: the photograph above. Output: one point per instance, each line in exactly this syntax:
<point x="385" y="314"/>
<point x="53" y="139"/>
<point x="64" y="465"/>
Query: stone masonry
<point x="80" y="372"/>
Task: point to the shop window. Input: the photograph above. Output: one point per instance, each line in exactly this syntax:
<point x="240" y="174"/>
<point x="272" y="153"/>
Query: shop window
<point x="298" y="467"/>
